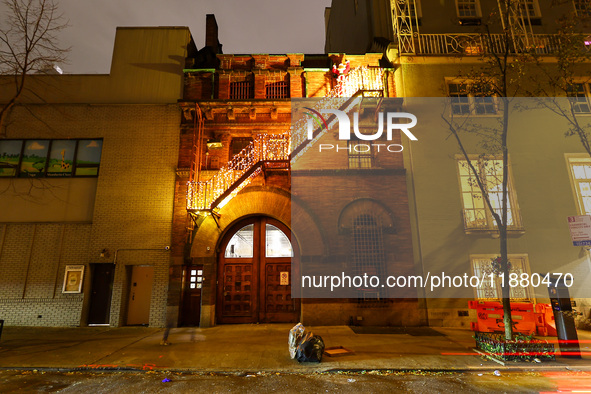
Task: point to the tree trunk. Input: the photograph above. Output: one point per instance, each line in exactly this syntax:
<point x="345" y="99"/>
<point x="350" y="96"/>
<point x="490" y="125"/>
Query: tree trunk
<point x="506" y="289"/>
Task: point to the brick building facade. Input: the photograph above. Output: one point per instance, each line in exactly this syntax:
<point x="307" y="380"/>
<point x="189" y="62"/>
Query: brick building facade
<point x="235" y="157"/>
<point x="114" y="223"/>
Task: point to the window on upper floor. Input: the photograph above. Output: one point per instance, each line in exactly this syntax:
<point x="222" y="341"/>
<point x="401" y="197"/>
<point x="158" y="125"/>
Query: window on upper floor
<point x="530" y="8"/>
<point x="580" y="171"/>
<point x="491" y="290"/>
<point x="468" y="98"/>
<point x="277" y="87"/>
<point x="360" y="154"/>
<point x="579" y="94"/>
<point x="468" y="9"/>
<point x="582" y="7"/>
<point x="241" y="88"/>
<point x="50" y="158"/>
<point x="477" y="215"/>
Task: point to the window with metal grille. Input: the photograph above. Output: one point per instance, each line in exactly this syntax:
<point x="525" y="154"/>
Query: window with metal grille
<point x="360" y="154"/>
<point x="368" y="253"/>
<point x="582" y="7"/>
<point x="472" y="98"/>
<point x="241" y="90"/>
<point x="477" y="215"/>
<point x="488" y="290"/>
<point x="277" y="90"/>
<point x="578" y="94"/>
<point x="468" y="8"/>
<point x="580" y="170"/>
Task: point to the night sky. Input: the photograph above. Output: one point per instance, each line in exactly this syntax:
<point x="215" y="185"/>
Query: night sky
<point x="245" y="26"/>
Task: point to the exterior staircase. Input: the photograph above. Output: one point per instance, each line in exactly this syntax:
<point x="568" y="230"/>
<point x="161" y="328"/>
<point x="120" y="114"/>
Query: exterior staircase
<point x="276" y="151"/>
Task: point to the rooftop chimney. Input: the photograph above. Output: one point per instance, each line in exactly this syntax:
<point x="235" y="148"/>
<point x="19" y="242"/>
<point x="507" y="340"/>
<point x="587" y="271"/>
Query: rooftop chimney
<point x="211" y="34"/>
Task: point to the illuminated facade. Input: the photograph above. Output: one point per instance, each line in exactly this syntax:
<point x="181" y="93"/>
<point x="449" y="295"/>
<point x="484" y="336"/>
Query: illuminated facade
<point x="434" y="48"/>
<point x="86" y="208"/>
<point x="236" y="168"/>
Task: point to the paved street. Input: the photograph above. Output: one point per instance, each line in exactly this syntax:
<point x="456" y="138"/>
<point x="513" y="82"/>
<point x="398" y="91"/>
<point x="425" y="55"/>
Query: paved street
<point x="371" y="381"/>
<point x="254" y="358"/>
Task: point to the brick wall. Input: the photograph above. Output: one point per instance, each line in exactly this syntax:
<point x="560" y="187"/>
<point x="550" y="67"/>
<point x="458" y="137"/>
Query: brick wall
<point x="33" y="258"/>
<point x="133" y="213"/>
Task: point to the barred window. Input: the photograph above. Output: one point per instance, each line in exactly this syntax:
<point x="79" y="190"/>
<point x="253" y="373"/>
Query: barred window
<point x="492" y="290"/>
<point x="360" y="154"/>
<point x="368" y="252"/>
<point x="241" y="90"/>
<point x="277" y="88"/>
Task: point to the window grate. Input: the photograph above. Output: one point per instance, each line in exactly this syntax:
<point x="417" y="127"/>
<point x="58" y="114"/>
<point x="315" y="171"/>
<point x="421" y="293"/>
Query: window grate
<point x="360" y="155"/>
<point x="368" y="254"/>
<point x="482" y="268"/>
<point x="277" y="90"/>
<point x="241" y="90"/>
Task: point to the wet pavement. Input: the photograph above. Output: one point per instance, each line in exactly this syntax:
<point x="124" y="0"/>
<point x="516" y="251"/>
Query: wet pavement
<point x="251" y="349"/>
<point x="345" y="382"/>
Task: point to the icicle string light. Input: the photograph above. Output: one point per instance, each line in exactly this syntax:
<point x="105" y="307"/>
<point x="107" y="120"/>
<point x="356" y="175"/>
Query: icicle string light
<point x="269" y="147"/>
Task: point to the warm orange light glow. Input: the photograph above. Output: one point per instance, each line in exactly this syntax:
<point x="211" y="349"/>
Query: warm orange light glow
<point x="266" y="147"/>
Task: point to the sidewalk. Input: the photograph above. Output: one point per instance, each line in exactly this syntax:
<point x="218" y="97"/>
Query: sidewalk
<point x="249" y="349"/>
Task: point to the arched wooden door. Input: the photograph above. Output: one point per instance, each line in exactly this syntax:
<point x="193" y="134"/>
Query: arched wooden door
<point x="254" y="274"/>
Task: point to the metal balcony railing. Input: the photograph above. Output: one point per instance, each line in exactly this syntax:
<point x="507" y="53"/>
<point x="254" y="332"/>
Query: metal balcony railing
<point x="478" y="44"/>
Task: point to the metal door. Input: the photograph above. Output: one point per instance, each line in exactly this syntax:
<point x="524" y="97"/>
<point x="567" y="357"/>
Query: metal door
<point x="140" y="294"/>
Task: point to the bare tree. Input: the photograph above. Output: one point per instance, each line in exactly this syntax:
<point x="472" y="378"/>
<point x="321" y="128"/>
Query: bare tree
<point x="566" y="76"/>
<point x="28" y="44"/>
<point x="493" y="83"/>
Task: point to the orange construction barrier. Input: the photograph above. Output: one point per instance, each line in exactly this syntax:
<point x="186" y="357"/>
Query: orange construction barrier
<point x="490" y="317"/>
<point x="545" y="320"/>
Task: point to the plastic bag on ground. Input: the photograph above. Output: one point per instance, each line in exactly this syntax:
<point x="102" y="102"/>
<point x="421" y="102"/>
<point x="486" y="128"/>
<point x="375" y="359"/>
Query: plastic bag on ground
<point x="295" y="336"/>
<point x="310" y="349"/>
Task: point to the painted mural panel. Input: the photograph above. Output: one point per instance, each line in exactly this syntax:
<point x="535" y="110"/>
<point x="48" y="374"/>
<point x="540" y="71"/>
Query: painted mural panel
<point x="88" y="157"/>
<point x="61" y="158"/>
<point x="10" y="155"/>
<point x="34" y="158"/>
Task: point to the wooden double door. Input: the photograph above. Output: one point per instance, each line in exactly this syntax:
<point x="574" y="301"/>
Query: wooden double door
<point x="254" y="274"/>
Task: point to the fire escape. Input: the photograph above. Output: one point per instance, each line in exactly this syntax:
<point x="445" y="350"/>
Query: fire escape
<point x="272" y="151"/>
<point x="515" y="15"/>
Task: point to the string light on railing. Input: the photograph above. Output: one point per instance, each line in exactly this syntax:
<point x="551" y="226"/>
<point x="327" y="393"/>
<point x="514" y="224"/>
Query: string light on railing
<point x="278" y="147"/>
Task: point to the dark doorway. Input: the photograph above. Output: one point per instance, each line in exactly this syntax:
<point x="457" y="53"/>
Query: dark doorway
<point x="255" y="274"/>
<point x="192" y="284"/>
<point x="100" y="294"/>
